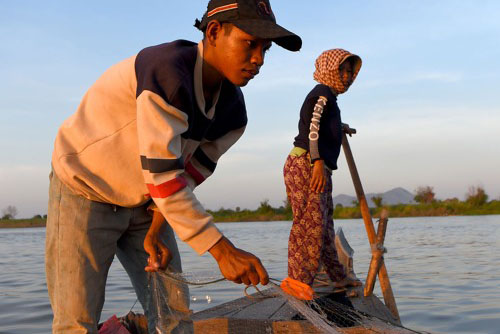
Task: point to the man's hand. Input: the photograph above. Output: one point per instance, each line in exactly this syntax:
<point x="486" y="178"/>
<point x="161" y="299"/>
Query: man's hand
<point x="318" y="180"/>
<point x="159" y="254"/>
<point x="237" y="265"/>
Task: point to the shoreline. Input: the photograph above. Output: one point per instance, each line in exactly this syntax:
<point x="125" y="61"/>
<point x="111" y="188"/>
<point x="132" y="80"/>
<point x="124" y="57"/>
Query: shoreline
<point x="22" y="223"/>
<point x="41" y="222"/>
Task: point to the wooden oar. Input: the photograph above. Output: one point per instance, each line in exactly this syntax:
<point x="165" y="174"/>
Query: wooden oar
<point x="383" y="277"/>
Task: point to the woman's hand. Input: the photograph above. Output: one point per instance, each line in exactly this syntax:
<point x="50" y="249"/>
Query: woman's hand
<point x="318" y="180"/>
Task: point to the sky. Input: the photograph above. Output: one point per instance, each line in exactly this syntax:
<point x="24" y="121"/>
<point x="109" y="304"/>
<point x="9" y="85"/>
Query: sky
<point x="425" y="103"/>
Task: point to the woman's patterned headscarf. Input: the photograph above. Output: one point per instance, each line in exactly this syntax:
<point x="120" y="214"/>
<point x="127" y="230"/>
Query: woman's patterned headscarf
<point x="327" y="68"/>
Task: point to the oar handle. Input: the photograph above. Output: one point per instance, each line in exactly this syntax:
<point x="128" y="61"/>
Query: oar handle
<point x="348" y="130"/>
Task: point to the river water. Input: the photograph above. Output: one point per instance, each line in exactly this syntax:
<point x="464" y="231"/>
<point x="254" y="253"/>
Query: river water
<point x="445" y="272"/>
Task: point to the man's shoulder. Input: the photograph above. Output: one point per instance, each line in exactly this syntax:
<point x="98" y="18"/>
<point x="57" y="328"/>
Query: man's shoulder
<point x="164" y="67"/>
<point x="171" y="51"/>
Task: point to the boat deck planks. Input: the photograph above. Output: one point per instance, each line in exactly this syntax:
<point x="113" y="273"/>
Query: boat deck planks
<point x="270" y="313"/>
<point x="373" y="306"/>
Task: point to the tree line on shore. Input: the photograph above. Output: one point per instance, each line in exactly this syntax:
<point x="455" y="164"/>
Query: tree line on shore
<point x="476" y="203"/>
<point x="426" y="204"/>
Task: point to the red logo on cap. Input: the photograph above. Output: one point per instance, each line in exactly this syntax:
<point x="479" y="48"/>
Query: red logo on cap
<point x="264" y="9"/>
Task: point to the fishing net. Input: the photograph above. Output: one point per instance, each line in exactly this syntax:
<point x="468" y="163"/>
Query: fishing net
<point x="334" y="313"/>
<point x="327" y="314"/>
<point x="170" y="303"/>
<point x="330" y="313"/>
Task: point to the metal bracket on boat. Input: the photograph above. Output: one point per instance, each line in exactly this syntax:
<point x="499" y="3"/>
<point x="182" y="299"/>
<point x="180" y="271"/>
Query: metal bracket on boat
<point x="378" y="248"/>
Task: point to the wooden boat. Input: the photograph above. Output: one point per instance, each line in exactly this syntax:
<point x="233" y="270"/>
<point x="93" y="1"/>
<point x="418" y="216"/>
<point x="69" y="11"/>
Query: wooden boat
<point x="270" y="312"/>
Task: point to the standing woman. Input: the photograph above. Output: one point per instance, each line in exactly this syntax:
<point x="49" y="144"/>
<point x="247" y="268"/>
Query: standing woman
<point x="308" y="171"/>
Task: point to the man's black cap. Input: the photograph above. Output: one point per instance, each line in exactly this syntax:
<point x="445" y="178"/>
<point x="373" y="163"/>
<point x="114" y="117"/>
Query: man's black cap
<point x="255" y="17"/>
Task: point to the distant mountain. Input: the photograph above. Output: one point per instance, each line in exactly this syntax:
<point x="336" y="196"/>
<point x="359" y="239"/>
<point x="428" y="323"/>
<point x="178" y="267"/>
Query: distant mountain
<point x="394" y="196"/>
<point x="344" y="200"/>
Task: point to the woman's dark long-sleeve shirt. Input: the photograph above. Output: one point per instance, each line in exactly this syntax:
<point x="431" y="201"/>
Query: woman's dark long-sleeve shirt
<point x="320" y="108"/>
